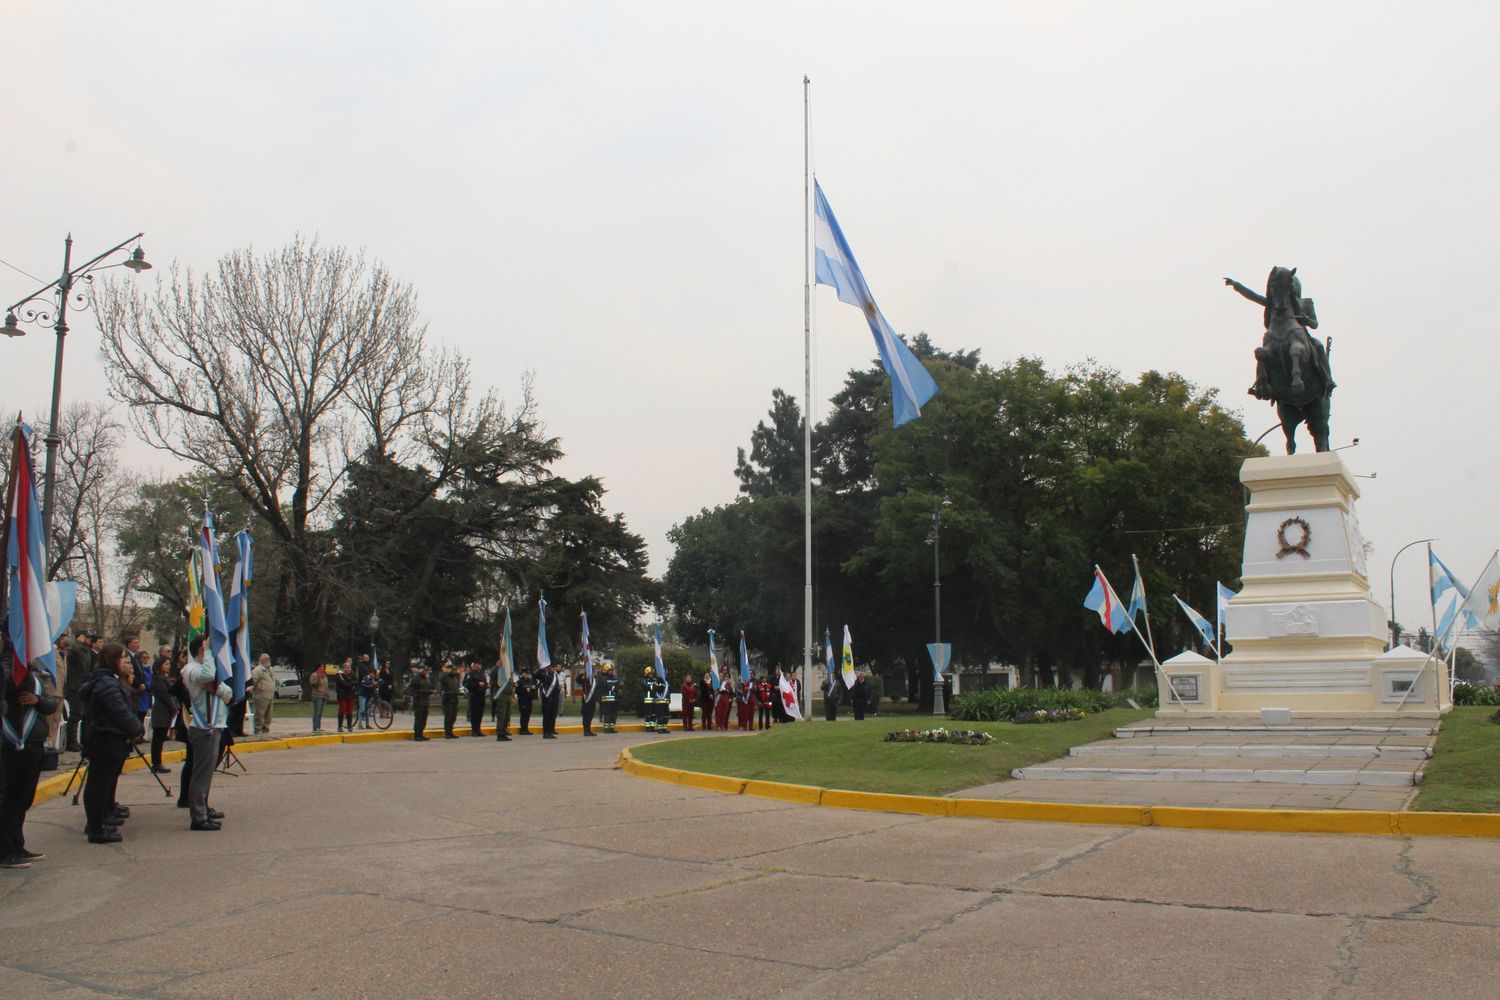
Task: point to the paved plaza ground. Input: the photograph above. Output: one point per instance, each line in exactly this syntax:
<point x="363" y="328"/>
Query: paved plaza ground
<point x="474" y="869"/>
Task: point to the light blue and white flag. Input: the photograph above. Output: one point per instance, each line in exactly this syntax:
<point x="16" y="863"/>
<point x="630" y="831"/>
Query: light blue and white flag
<point x="543" y="654"/>
<point x="239" y="613"/>
<point x="62" y="602"/>
<point x="661" y="667"/>
<point x="31" y="632"/>
<point x="588" y="651"/>
<point x="911" y="385"/>
<point x="713" y="660"/>
<point x="1210" y="637"/>
<point x="1104" y="602"/>
<point x="507" y="656"/>
<point x="1441" y="578"/>
<point x="1447" y="635"/>
<point x="828" y="660"/>
<point x="213" y="602"/>
<point x="1137" y="593"/>
<point x="1225" y="595"/>
<point x="744" y="661"/>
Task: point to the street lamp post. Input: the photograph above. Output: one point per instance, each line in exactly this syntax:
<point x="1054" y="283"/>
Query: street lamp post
<point x="1402" y="549"/>
<point x="35" y="309"/>
<point x="934" y="539"/>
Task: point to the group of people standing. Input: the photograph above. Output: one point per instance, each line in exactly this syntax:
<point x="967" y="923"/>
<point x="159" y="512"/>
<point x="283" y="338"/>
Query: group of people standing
<point x="355" y="694"/>
<point x="500" y="692"/>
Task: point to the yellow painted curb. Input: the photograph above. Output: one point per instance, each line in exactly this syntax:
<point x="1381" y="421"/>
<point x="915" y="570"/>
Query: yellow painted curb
<point x="321" y="740"/>
<point x="1344" y="821"/>
<point x="256" y="746"/>
<point x="375" y="736"/>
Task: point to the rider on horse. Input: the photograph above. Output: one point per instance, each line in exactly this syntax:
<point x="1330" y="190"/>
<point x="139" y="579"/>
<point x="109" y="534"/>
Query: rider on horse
<point x="1306" y="315"/>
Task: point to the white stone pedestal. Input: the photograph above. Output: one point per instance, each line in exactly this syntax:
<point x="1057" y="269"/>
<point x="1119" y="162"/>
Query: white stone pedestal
<point x="1305" y="631"/>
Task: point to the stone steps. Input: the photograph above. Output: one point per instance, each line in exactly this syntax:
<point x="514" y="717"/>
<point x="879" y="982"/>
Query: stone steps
<point x="1279" y="770"/>
<point x="1322" y="752"/>
<point x="1333" y="729"/>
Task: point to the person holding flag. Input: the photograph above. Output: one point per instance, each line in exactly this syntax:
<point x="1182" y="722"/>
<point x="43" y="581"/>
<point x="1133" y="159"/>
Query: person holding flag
<point x="831" y="684"/>
<point x="723" y="699"/>
<point x="504" y="689"/>
<point x="588" y="686"/>
<point x="744" y="697"/>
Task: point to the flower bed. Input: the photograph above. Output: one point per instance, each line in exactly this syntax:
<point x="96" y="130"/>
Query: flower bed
<point x="1034" y="715"/>
<point x="962" y="737"/>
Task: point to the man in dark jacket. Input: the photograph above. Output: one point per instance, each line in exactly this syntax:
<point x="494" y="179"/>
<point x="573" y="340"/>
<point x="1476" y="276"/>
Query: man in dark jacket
<point x="21" y="747"/>
<point x="589" y="685"/>
<point x="80" y="664"/>
<point x="419" y="687"/>
<point x="448" y="687"/>
<point x="549" y="689"/>
<point x="475" y="686"/>
<point x="525" y="696"/>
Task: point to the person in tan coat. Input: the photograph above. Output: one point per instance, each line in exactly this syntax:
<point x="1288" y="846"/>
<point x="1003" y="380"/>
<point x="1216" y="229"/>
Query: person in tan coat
<point x="262" y="692"/>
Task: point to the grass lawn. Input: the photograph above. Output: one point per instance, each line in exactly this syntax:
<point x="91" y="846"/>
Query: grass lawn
<point x="852" y="755"/>
<point x="1464" y="775"/>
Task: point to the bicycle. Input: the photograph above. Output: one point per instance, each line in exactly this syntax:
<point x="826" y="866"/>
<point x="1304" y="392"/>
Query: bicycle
<point x="381" y="714"/>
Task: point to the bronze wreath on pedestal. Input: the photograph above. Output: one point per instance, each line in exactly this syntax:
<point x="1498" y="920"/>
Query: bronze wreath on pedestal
<point x="1300" y="545"/>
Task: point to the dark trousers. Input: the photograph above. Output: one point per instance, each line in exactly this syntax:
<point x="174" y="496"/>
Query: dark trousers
<point x="859" y="709"/>
<point x="549" y="715"/>
<point x="708" y="715"/>
<point x="609" y="712"/>
<point x="237" y="717"/>
<point x="107" y="752"/>
<point x="687" y="716"/>
<point x="158" y="738"/>
<point x="419" y="708"/>
<point x="450" y="713"/>
<point x="763" y="717"/>
<point x="22" y="768"/>
<point x="588" y="717"/>
<point x="476" y="713"/>
<point x="523" y="704"/>
<point x="830" y="710"/>
<point x="185" y="775"/>
<point x="501" y="708"/>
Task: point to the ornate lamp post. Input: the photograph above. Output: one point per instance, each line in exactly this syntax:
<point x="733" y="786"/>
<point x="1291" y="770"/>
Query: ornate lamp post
<point x="1402" y="549"/>
<point x="933" y="538"/>
<point x="53" y="309"/>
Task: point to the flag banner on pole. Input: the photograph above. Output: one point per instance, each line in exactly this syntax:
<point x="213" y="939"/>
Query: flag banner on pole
<point x="1225" y="596"/>
<point x="744" y="661"/>
<point x="1137" y="593"/>
<point x="588" y="651"/>
<point x="1446" y="638"/>
<point x="911" y="385"/>
<point x="1483" y="602"/>
<point x="789" y="698"/>
<point x="507" y="655"/>
<point x="195" y="594"/>
<point x="543" y="654"/>
<point x="213" y="602"/>
<point x="30" y="628"/>
<point x="1441" y="578"/>
<point x="713" y="661"/>
<point x="1102" y="601"/>
<point x="1210" y="636"/>
<point x="661" y="667"/>
<point x="239" y="612"/>
<point x="828" y="658"/>
<point x="847" y="664"/>
<point x="62" y="602"/>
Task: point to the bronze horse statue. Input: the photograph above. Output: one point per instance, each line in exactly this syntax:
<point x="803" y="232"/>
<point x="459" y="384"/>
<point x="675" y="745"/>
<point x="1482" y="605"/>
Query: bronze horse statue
<point x="1291" y="368"/>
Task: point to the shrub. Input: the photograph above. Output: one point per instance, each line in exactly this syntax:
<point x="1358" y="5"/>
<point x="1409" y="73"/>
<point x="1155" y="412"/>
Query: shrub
<point x="1036" y="715"/>
<point x="1004" y="704"/>
<point x="1465" y="693"/>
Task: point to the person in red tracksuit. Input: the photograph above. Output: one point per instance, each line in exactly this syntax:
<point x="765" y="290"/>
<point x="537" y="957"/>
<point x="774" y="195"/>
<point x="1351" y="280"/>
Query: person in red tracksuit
<point x="763" y="695"/>
<point x="745" y="699"/>
<point x="722" y="702"/>
<point x="689" y="703"/>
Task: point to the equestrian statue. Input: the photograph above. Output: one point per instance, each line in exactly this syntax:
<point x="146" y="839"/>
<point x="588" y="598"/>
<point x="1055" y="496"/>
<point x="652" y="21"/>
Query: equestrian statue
<point x="1291" y="367"/>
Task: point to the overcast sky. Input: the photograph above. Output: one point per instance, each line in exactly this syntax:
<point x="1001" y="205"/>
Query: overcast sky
<point x="610" y="196"/>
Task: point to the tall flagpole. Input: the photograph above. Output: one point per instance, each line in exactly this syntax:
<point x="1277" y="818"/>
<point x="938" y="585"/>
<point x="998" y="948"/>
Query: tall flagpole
<point x="807" y="573"/>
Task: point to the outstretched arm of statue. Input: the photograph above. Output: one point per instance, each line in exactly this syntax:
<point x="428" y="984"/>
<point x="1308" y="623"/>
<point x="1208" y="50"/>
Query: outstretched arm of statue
<point x="1248" y="293"/>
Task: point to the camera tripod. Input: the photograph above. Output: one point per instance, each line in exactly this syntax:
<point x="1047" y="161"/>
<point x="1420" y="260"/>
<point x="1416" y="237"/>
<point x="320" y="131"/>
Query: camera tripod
<point x="83" y="768"/>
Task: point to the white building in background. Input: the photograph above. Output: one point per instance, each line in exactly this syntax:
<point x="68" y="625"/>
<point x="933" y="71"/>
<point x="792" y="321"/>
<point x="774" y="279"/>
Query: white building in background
<point x="991" y="675"/>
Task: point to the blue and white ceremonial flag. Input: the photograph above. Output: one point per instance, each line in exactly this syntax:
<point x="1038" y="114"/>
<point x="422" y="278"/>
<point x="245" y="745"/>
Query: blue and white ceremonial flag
<point x="62" y="602"/>
<point x="543" y="654"/>
<point x="213" y="603"/>
<point x="744" y="661"/>
<point x="507" y="655"/>
<point x="1441" y="578"/>
<point x="834" y="265"/>
<point x="661" y="667"/>
<point x="1137" y="593"/>
<point x="1210" y="636"/>
<point x="239" y="613"/>
<point x="30" y="627"/>
<point x="588" y="651"/>
<point x="1225" y="596"/>
<point x="713" y="660"/>
<point x="1446" y="636"/>
<point x="828" y="657"/>
<point x="1102" y="600"/>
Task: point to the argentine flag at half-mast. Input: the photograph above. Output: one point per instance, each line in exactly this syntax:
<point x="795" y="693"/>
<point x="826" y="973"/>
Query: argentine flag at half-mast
<point x="834" y="265"/>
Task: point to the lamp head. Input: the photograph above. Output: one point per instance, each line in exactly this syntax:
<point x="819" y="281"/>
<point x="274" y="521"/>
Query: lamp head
<point x="10" y="329"/>
<point x="137" y="261"/>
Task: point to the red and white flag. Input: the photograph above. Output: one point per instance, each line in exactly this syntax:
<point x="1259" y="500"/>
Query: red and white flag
<point x="789" y="698"/>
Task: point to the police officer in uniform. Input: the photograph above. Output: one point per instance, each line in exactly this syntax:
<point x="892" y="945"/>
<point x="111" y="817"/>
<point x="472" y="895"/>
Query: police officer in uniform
<point x="448" y="686"/>
<point x="590" y="688"/>
<point x="525" y="696"/>
<point x="419" y="687"/>
<point x="549" y="689"/>
<point x="475" y="686"/>
<point x="609" y="697"/>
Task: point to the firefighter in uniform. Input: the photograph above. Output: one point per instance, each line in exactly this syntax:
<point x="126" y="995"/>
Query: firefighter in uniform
<point x="525" y="695"/>
<point x="763" y="696"/>
<point x="609" y="697"/>
<point x="651" y="705"/>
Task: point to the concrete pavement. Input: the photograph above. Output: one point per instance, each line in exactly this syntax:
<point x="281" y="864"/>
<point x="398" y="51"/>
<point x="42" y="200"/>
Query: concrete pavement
<point x="530" y="869"/>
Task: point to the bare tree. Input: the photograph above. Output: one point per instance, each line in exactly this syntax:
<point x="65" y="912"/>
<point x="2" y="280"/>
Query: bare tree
<point x="270" y="371"/>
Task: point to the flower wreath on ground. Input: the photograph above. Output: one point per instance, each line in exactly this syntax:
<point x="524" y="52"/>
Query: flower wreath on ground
<point x="963" y="737"/>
